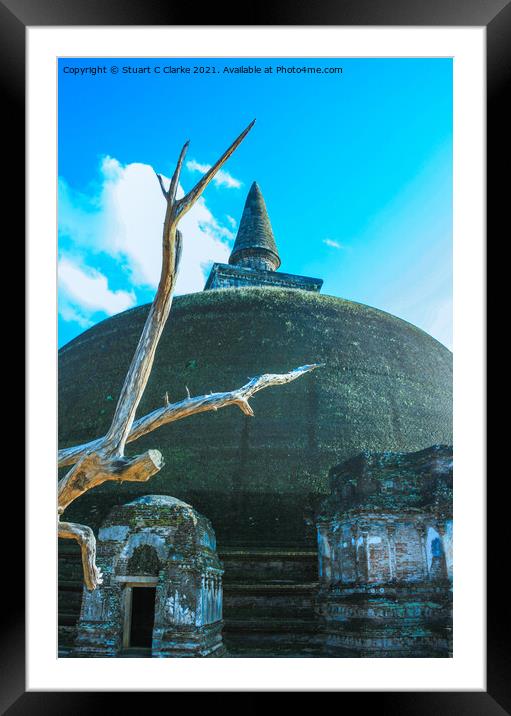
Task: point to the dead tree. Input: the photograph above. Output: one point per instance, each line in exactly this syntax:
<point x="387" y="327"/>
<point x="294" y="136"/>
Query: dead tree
<point x="104" y="459"/>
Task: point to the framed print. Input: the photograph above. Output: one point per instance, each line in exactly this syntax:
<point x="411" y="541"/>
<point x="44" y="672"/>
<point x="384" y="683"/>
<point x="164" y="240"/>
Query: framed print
<point x="275" y="225"/>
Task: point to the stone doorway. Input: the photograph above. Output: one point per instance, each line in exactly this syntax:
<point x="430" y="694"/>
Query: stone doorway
<point x="141" y="622"/>
<point x="139" y="612"/>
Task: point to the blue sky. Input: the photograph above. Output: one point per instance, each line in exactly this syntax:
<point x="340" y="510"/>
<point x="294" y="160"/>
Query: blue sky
<point x="355" y="168"/>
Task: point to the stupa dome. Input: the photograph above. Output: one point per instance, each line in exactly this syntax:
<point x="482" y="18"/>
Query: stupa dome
<point x="385" y="386"/>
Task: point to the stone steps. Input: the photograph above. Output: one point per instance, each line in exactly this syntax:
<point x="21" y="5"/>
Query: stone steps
<point x="269" y="603"/>
<point x="294" y="629"/>
<point x="268" y="566"/>
<point x="275" y="587"/>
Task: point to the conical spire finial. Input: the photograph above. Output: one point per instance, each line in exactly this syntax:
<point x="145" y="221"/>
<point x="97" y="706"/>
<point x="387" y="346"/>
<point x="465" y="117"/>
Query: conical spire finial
<point x="255" y="244"/>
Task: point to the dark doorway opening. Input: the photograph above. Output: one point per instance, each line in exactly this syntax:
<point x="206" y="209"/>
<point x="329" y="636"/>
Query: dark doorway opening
<point x="142" y="616"/>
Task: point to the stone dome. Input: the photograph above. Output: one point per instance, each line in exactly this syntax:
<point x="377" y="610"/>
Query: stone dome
<point x="152" y="520"/>
<point x="385" y="385"/>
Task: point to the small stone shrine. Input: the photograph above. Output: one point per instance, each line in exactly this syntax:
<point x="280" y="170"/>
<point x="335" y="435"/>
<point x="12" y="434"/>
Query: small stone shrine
<point x="162" y="584"/>
<point x="385" y="555"/>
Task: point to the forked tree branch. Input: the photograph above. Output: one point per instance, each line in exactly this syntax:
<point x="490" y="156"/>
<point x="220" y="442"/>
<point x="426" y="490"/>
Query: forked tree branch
<point x="142" y="362"/>
<point x="186" y="203"/>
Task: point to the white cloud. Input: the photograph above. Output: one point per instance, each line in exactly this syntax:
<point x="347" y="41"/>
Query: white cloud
<point x="221" y="178"/>
<point x="72" y="315"/>
<point x="123" y="218"/>
<point x="232" y="221"/>
<point x="84" y="291"/>
<point x="333" y="244"/>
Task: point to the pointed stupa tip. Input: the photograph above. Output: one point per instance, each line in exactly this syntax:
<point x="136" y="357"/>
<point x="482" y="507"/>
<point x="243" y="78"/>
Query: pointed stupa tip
<point x="255" y="245"/>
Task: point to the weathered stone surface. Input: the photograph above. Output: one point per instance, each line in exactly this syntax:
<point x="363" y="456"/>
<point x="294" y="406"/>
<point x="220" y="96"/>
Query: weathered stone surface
<point x="385" y="555"/>
<point x="155" y="541"/>
<point x="225" y="276"/>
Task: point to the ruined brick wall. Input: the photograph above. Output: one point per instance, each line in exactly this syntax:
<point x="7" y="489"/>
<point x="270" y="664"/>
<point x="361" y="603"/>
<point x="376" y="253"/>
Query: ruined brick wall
<point x="379" y="547"/>
<point x="385" y="555"/>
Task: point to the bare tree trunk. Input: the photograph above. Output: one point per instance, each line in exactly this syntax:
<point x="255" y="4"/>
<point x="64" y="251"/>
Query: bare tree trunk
<point x="104" y="459"/>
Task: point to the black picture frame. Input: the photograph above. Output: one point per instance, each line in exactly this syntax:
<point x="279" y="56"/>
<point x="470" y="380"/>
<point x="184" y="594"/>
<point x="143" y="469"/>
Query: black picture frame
<point x="495" y="15"/>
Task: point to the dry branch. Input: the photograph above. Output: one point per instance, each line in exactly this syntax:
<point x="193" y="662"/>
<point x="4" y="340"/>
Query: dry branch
<point x="191" y="406"/>
<point x="186" y="203"/>
<point x="93" y="469"/>
<point x="85" y="537"/>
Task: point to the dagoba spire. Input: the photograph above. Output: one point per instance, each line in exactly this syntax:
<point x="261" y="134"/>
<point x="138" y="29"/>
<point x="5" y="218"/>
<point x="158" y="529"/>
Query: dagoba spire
<point x="254" y="259"/>
<point x="255" y="244"/>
